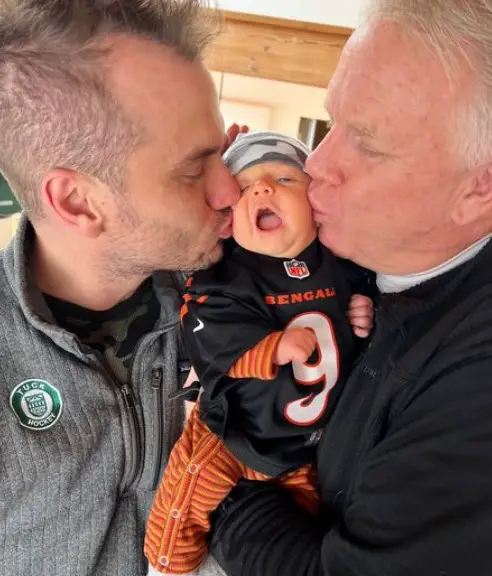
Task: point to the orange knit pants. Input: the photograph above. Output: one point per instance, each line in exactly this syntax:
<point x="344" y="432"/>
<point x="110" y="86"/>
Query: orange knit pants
<point x="200" y="474"/>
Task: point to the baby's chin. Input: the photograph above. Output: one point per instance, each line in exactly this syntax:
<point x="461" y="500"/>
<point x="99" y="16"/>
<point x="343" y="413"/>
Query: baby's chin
<point x="270" y="244"/>
<point x="277" y="247"/>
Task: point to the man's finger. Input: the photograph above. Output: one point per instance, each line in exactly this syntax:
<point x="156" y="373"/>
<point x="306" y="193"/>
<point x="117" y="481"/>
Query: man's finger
<point x="358" y="316"/>
<point x="363" y="323"/>
<point x="361" y="332"/>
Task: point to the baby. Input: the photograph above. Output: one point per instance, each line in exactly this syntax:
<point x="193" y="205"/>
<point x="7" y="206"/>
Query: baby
<point x="270" y="332"/>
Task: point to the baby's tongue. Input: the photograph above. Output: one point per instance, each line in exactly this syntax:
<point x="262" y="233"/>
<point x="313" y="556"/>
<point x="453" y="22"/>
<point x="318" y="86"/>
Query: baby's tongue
<point x="269" y="221"/>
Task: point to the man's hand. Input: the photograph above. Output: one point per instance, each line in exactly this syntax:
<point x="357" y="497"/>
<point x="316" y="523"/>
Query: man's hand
<point x="361" y="315"/>
<point x="295" y="345"/>
<point x="231" y="135"/>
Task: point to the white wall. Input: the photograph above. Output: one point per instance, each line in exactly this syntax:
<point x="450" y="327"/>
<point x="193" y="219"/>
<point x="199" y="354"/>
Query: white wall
<point x="7" y="229"/>
<point x="268" y="104"/>
<point x="334" y="12"/>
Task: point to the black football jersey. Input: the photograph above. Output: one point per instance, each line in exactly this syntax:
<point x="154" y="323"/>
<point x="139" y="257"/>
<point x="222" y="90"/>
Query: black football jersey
<point x="274" y="425"/>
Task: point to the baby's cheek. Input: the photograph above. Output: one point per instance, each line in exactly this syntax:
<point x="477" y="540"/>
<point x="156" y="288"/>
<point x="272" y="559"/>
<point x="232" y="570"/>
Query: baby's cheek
<point x="244" y="232"/>
<point x="239" y="213"/>
<point x="240" y="224"/>
<point x="305" y="212"/>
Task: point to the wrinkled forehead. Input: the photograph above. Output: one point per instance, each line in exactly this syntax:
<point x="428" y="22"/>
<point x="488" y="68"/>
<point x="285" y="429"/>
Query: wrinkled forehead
<point x="172" y="99"/>
<point x="391" y="81"/>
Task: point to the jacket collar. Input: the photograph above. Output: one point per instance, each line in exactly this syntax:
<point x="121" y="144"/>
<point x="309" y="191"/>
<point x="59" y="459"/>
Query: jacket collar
<point x="397" y="308"/>
<point x="17" y="257"/>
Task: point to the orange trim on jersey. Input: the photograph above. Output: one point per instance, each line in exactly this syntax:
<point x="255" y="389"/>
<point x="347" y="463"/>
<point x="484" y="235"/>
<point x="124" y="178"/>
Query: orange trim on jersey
<point x="258" y="361"/>
<point x="187" y="298"/>
<point x="184" y="309"/>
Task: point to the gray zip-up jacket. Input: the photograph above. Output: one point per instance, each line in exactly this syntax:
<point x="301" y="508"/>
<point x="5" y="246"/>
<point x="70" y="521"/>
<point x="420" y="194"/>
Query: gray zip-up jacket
<point x="80" y="455"/>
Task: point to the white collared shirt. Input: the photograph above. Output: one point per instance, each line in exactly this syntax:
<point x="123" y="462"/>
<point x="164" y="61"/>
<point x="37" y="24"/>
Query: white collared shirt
<point x="394" y="284"/>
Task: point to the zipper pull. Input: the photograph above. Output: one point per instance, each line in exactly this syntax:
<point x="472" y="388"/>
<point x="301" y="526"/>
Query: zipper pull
<point x="157" y="377"/>
<point x="128" y="396"/>
<point x="184" y="368"/>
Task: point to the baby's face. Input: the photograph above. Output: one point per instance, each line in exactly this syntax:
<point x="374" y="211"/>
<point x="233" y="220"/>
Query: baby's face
<point x="273" y="215"/>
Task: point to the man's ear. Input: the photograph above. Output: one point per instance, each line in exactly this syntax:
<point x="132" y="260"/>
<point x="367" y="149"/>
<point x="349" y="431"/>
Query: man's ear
<point x="475" y="199"/>
<point x="70" y="196"/>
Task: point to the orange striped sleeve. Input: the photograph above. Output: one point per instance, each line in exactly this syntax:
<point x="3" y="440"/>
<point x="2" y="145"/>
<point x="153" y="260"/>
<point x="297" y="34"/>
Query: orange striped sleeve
<point x="258" y="362"/>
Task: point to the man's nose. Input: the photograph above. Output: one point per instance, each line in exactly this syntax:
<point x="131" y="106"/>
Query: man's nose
<point x="323" y="164"/>
<point x="226" y="192"/>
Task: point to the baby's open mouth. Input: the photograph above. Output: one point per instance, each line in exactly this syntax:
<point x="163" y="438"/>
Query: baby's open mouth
<point x="267" y="220"/>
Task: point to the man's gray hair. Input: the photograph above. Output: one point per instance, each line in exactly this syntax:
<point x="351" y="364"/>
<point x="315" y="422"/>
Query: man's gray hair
<point x="55" y="108"/>
<point x="453" y="28"/>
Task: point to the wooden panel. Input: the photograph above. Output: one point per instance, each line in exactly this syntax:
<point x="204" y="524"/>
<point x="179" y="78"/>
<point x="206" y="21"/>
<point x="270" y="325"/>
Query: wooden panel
<point x="277" y="49"/>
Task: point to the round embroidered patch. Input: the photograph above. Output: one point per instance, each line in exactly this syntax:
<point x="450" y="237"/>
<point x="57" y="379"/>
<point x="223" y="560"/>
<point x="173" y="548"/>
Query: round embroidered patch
<point x="36" y="403"/>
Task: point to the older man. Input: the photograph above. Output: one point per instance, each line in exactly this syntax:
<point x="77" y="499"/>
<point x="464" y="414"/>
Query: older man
<point x="110" y="135"/>
<point x="402" y="184"/>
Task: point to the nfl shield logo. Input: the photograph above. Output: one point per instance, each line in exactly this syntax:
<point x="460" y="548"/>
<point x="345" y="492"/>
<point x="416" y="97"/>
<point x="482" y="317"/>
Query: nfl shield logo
<point x="296" y="269"/>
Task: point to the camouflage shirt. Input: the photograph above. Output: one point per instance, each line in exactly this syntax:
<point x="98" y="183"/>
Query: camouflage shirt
<point x="114" y="333"/>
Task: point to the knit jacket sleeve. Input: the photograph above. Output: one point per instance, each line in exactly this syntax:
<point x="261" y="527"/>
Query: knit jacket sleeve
<point x="421" y="503"/>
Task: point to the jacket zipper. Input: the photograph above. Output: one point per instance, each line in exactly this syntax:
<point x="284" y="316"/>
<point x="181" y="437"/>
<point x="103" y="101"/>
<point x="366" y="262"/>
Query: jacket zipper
<point x="134" y="453"/>
<point x="156" y="385"/>
<point x="137" y="452"/>
<point x="137" y="461"/>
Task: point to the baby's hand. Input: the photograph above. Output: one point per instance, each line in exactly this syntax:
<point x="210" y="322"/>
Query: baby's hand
<point x="361" y="315"/>
<point x="295" y="345"/>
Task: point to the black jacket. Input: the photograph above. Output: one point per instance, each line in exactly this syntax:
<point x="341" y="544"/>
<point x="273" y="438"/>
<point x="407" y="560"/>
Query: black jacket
<point x="405" y="462"/>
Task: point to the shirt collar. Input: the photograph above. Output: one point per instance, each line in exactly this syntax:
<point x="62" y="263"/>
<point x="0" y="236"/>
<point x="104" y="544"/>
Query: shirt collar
<point x="394" y="284"/>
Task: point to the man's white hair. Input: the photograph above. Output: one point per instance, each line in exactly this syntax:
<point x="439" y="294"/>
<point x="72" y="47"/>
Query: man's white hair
<point x="454" y="29"/>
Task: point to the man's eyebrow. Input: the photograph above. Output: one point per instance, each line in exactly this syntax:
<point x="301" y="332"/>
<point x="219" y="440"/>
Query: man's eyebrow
<point x="353" y="128"/>
<point x="363" y="131"/>
<point x="199" y="153"/>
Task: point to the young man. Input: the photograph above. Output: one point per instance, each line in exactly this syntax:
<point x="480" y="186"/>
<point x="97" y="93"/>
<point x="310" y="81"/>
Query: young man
<point x="111" y="137"/>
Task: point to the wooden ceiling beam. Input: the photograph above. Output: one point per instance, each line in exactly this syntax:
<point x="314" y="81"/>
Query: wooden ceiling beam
<point x="277" y="49"/>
